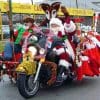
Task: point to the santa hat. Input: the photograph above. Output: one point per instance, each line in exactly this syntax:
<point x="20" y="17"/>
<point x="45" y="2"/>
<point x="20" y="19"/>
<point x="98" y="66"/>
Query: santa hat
<point x="56" y="21"/>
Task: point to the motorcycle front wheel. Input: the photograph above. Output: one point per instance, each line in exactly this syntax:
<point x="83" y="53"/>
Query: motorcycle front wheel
<point x="26" y="85"/>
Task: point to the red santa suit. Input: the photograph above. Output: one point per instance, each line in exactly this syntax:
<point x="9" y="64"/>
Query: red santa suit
<point x="64" y="52"/>
<point x="91" y="65"/>
<point x="95" y="37"/>
<point x="93" y="53"/>
<point x="84" y="68"/>
<point x="94" y="41"/>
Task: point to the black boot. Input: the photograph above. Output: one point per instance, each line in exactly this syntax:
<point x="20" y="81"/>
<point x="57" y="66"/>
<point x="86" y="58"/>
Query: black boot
<point x="60" y="72"/>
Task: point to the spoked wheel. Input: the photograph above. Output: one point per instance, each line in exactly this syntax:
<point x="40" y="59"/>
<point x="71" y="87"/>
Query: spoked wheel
<point x="26" y="85"/>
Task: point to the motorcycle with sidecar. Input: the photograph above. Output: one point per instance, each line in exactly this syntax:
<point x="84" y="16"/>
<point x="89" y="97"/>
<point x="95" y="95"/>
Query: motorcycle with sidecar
<point x="39" y="68"/>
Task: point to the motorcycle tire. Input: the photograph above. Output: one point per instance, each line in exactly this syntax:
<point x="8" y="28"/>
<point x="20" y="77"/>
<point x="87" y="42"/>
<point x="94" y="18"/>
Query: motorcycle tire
<point x="26" y="86"/>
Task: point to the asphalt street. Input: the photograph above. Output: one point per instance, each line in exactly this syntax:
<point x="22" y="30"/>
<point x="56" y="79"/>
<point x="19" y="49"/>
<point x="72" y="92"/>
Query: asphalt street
<point x="88" y="89"/>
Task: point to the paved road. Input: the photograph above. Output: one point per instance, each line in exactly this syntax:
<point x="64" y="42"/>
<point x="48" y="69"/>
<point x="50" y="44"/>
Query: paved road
<point x="88" y="89"/>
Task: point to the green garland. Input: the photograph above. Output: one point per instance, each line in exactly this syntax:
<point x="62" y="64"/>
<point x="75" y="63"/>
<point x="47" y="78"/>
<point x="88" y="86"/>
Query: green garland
<point x="64" y="38"/>
<point x="21" y="30"/>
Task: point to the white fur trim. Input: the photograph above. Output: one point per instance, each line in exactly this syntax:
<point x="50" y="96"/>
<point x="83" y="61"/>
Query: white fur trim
<point x="79" y="64"/>
<point x="55" y="21"/>
<point x="95" y="41"/>
<point x="84" y="58"/>
<point x="64" y="63"/>
<point x="90" y="46"/>
<point x="70" y="27"/>
<point x="62" y="50"/>
<point x="62" y="29"/>
<point x="59" y="28"/>
<point x="70" y="49"/>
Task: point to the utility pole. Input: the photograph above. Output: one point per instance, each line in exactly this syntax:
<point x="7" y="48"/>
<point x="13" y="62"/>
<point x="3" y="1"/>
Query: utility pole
<point x="1" y="25"/>
<point x="78" y="23"/>
<point x="76" y="4"/>
<point x="10" y="18"/>
<point x="10" y="9"/>
<point x="32" y="2"/>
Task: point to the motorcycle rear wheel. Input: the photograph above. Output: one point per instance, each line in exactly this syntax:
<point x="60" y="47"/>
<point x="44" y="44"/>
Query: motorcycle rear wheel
<point x="26" y="86"/>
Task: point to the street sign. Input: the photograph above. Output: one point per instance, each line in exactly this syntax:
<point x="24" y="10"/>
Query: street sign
<point x="36" y="9"/>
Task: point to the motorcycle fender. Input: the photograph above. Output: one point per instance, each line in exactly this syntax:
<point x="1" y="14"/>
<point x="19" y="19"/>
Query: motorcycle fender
<point x="27" y="67"/>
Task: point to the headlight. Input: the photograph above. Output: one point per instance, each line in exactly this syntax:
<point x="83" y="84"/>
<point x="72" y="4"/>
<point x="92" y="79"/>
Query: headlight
<point x="4" y="66"/>
<point x="33" y="49"/>
<point x="42" y="51"/>
<point x="33" y="38"/>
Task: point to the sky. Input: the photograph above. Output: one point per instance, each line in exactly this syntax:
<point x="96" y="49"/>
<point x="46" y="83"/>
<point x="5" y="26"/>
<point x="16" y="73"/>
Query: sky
<point x="24" y="1"/>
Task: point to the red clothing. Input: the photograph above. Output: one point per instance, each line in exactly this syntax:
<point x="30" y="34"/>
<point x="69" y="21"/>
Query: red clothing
<point x="91" y="66"/>
<point x="84" y="69"/>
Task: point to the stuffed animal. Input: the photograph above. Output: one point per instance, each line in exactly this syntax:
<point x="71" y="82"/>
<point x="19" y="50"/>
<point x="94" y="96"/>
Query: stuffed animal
<point x="51" y="12"/>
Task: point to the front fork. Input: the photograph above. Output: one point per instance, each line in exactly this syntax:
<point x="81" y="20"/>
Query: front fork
<point x="38" y="69"/>
<point x="37" y="72"/>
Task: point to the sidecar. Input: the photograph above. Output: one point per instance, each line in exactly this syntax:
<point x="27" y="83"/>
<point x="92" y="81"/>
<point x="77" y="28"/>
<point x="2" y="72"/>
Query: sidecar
<point x="9" y="60"/>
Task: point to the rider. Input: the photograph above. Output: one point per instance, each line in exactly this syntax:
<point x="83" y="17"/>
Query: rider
<point x="22" y="32"/>
<point x="65" y="33"/>
<point x="30" y="27"/>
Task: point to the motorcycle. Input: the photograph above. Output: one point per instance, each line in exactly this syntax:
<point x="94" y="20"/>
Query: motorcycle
<point x="37" y="69"/>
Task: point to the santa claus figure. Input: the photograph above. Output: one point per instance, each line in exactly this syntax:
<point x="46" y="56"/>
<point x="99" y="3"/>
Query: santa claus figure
<point x="64" y="49"/>
<point x="88" y="57"/>
<point x="64" y="32"/>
